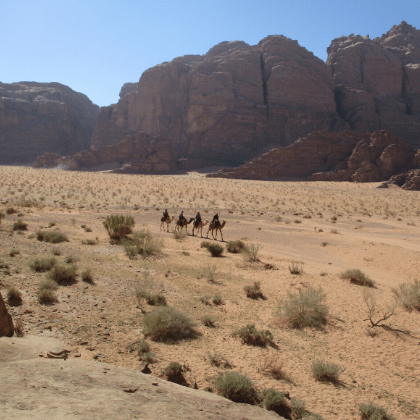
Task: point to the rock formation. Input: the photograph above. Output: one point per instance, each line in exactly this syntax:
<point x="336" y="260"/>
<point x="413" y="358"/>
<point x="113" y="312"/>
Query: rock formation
<point x="228" y="105"/>
<point x="377" y="82"/>
<point x="327" y="156"/>
<point x="141" y="153"/>
<point x="43" y="117"/>
<point x="6" y="322"/>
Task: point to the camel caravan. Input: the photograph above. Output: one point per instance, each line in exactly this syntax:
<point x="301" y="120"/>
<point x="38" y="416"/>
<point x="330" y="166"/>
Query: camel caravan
<point x="214" y="226"/>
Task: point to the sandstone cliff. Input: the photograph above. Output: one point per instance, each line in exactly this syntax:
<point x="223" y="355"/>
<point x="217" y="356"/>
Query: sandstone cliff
<point x="141" y="154"/>
<point x="377" y="82"/>
<point x="228" y="105"/>
<point x="43" y="117"/>
<point x="327" y="156"/>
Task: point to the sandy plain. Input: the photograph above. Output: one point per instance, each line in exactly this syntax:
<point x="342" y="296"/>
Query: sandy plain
<point x="376" y="231"/>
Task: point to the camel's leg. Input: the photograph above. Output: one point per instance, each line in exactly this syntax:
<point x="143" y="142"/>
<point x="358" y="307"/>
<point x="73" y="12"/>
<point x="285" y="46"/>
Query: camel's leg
<point x="221" y="234"/>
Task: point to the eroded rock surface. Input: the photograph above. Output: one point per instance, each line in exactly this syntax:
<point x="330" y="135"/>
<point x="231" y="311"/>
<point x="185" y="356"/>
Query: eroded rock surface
<point x="6" y="321"/>
<point x="43" y="117"/>
<point x="140" y="153"/>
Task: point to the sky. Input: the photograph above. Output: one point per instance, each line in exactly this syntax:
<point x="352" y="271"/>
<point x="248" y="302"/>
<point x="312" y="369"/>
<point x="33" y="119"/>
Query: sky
<point x="94" y="47"/>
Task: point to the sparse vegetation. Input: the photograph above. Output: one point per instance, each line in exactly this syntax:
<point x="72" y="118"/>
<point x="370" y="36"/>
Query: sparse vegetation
<point x="14" y="296"/>
<point x="174" y="372"/>
<point x="180" y="235"/>
<point x="42" y="265"/>
<point x="217" y="300"/>
<point x="217" y="360"/>
<point x="14" y="252"/>
<point x="409" y="295"/>
<point x="276" y="401"/>
<point x="326" y="372"/>
<point x="235" y="247"/>
<point x="374" y="412"/>
<point x="236" y="387"/>
<point x="51" y="237"/>
<point x="208" y="321"/>
<point x="357" y="277"/>
<point x="270" y="365"/>
<point x="87" y="276"/>
<point x="374" y="311"/>
<point x="46" y="295"/>
<point x="153" y="299"/>
<point x="296" y="267"/>
<point x="168" y="324"/>
<point x="118" y="226"/>
<point x="63" y="275"/>
<point x="305" y="309"/>
<point x="250" y="252"/>
<point x="144" y="244"/>
<point x="19" y="225"/>
<point x="254" y="291"/>
<point x="215" y="250"/>
<point x="251" y="336"/>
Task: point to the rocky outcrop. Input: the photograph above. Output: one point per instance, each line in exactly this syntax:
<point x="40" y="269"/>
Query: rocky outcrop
<point x="408" y="180"/>
<point x="327" y="156"/>
<point x="377" y="82"/>
<point x="228" y="105"/>
<point x="6" y="322"/>
<point x="43" y="117"/>
<point x="141" y="153"/>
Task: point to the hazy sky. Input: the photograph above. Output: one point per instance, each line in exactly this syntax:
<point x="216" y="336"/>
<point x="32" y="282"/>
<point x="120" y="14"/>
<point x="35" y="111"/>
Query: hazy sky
<point x="95" y="46"/>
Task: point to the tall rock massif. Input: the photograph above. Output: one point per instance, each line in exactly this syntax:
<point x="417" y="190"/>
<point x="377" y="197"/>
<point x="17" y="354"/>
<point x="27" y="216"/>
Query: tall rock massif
<point x="43" y="117"/>
<point x="228" y="105"/>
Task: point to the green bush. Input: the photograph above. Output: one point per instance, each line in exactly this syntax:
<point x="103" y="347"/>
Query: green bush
<point x="19" y="225"/>
<point x="298" y="409"/>
<point x="51" y="237"/>
<point x="168" y="324"/>
<point x="144" y="244"/>
<point x="326" y="372"/>
<point x="14" y="297"/>
<point x="374" y="412"/>
<point x="236" y="387"/>
<point x="63" y="275"/>
<point x="153" y="299"/>
<point x="305" y="309"/>
<point x="357" y="277"/>
<point x="409" y="295"/>
<point x="251" y="336"/>
<point x="250" y="252"/>
<point x="276" y="401"/>
<point x="254" y="291"/>
<point x="235" y="247"/>
<point x="215" y="250"/>
<point x="174" y="372"/>
<point x="42" y="265"/>
<point x="118" y="226"/>
<point x="45" y="292"/>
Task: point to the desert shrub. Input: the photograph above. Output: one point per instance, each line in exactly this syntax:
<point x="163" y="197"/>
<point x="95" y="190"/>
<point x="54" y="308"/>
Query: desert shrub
<point x="63" y="275"/>
<point x="168" y="324"/>
<point x="250" y="252"/>
<point x="118" y="226"/>
<point x="204" y="244"/>
<point x="217" y="360"/>
<point x="296" y="267"/>
<point x="409" y="295"/>
<point x="180" y="235"/>
<point x="14" y="297"/>
<point x="14" y="252"/>
<point x="2" y="215"/>
<point x="18" y="328"/>
<point x="298" y="408"/>
<point x="277" y="218"/>
<point x="10" y="210"/>
<point x="270" y="365"/>
<point x="205" y="299"/>
<point x="326" y="372"/>
<point x="305" y="309"/>
<point x="374" y="412"/>
<point x="357" y="277"/>
<point x="56" y="252"/>
<point x="89" y="241"/>
<point x="251" y="336"/>
<point x="254" y="291"/>
<point x="209" y="272"/>
<point x="88" y="229"/>
<point x="51" y="224"/>
<point x="143" y="243"/>
<point x="42" y="265"/>
<point x="51" y="237"/>
<point x="143" y="350"/>
<point x="235" y="247"/>
<point x="217" y="300"/>
<point x="87" y="276"/>
<point x="152" y="299"/>
<point x="45" y="292"/>
<point x="19" y="225"/>
<point x="215" y="250"/>
<point x="70" y="259"/>
<point x="174" y="372"/>
<point x="276" y="401"/>
<point x="236" y="387"/>
<point x="335" y="231"/>
<point x="208" y="321"/>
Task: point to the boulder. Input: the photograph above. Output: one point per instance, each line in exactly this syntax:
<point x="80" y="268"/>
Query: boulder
<point x="6" y="322"/>
<point x="43" y="117"/>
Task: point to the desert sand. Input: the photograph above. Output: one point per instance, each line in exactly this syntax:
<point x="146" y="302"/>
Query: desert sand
<point x="323" y="227"/>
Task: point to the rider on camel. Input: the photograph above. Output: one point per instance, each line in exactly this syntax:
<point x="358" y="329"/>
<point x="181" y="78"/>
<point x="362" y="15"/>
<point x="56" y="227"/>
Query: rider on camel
<point x="197" y="219"/>
<point x="216" y="219"/>
<point x="181" y="215"/>
<point x="165" y="214"/>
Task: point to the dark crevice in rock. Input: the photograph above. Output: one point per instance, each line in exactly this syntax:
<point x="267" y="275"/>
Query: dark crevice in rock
<point x="338" y="98"/>
<point x="362" y="67"/>
<point x="264" y="83"/>
<point x="404" y="94"/>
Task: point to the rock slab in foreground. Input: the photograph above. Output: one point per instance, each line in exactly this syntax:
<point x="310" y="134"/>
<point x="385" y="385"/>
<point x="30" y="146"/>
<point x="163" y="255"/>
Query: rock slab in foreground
<point x="6" y="322"/>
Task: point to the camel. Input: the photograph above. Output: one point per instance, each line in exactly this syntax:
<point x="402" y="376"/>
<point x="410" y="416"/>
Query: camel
<point x="167" y="220"/>
<point x="181" y="223"/>
<point x="200" y="227"/>
<point x="215" y="227"/>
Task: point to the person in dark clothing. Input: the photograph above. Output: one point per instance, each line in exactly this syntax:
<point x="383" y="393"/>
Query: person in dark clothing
<point x="165" y="214"/>
<point x="197" y="219"/>
<point x="181" y="215"/>
<point x="216" y="219"/>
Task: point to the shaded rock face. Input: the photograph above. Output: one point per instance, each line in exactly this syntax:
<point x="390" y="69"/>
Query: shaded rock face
<point x="142" y="154"/>
<point x="43" y="117"/>
<point x="408" y="180"/>
<point x="327" y="156"/>
<point x="6" y="322"/>
<point x="230" y="104"/>
<point x="377" y="82"/>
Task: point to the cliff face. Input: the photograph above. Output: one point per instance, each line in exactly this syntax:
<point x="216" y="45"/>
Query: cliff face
<point x="228" y="105"/>
<point x="377" y="82"/>
<point x="43" y="117"/>
<point x="141" y="154"/>
<point x="327" y="156"/>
